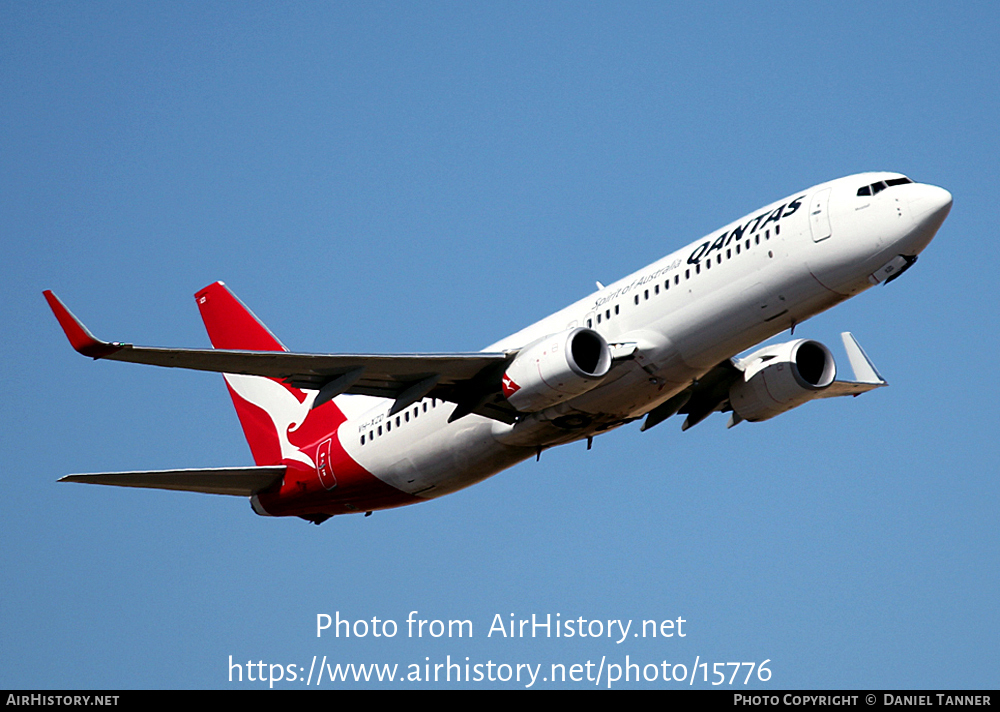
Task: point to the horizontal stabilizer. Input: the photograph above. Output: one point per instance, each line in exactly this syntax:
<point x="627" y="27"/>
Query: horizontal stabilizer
<point x="239" y="481"/>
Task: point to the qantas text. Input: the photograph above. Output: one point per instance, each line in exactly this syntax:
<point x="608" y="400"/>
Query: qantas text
<point x="752" y="225"/>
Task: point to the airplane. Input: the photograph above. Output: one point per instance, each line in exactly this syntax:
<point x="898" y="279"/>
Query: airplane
<point x="349" y="433"/>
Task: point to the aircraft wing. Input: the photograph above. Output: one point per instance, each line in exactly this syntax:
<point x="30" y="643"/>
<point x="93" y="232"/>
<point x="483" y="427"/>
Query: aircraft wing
<point x="710" y="393"/>
<point x="240" y="481"/>
<point x="471" y="380"/>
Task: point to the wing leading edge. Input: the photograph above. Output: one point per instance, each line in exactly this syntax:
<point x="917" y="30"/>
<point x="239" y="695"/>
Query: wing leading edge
<point x="471" y="380"/>
<point x="710" y="394"/>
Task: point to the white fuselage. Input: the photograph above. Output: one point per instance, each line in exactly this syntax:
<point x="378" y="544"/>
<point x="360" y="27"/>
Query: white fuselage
<point x="686" y="313"/>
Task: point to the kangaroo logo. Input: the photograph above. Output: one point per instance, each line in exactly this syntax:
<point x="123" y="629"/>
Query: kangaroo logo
<point x="287" y="413"/>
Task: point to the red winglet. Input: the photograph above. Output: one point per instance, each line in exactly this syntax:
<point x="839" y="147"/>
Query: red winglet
<point x="79" y="337"/>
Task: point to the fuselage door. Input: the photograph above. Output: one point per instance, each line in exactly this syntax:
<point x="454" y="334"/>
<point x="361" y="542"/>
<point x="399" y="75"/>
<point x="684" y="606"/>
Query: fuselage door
<point x="323" y="465"/>
<point x="819" y="215"/>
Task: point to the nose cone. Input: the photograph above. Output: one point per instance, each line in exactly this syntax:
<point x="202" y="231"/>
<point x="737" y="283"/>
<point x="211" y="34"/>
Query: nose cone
<point x="929" y="206"/>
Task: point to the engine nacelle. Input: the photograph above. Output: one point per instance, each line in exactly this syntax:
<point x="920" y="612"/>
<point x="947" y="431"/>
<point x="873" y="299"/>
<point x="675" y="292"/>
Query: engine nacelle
<point x="780" y="377"/>
<point x="556" y="368"/>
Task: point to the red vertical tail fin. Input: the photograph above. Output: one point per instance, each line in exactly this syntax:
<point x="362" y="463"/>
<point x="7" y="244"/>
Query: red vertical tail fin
<point x="277" y="419"/>
<point x="230" y="324"/>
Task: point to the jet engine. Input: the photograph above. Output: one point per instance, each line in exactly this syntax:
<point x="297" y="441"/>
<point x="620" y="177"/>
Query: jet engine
<point x="780" y="377"/>
<point x="556" y="368"/>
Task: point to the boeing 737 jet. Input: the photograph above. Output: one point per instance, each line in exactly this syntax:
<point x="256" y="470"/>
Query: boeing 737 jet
<point x="338" y="433"/>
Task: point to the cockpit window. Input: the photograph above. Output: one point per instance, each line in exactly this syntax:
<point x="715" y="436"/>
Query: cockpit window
<point x="876" y="188"/>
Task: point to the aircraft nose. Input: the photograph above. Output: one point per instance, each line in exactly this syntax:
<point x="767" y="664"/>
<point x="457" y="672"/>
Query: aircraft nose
<point x="930" y="205"/>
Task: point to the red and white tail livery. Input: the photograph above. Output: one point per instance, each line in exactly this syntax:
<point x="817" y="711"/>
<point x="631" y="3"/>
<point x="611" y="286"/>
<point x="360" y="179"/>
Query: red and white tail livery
<point x="339" y="433"/>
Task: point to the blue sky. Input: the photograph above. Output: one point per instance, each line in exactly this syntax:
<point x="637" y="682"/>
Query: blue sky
<point x="387" y="177"/>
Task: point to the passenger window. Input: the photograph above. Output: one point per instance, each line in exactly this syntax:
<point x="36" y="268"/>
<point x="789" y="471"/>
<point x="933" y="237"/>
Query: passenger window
<point x="617" y="309"/>
<point x="777" y="229"/>
<point x="380" y="430"/>
<point x="645" y="295"/>
<point x="729" y="253"/>
<point x="362" y="439"/>
<point x="598" y="318"/>
<point x="589" y="324"/>
<point x="718" y="259"/>
<point x="607" y="314"/>
<point x="677" y="279"/>
<point x="656" y="289"/>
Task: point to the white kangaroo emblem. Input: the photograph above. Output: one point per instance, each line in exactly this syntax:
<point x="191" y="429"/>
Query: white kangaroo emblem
<point x="284" y="409"/>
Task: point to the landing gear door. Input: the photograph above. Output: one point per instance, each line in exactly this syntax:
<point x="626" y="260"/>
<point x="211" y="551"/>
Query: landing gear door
<point x="819" y="215"/>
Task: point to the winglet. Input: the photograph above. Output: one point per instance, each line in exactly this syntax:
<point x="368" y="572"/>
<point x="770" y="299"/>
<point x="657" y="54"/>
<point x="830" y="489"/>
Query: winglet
<point x="79" y="336"/>
<point x="864" y="369"/>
